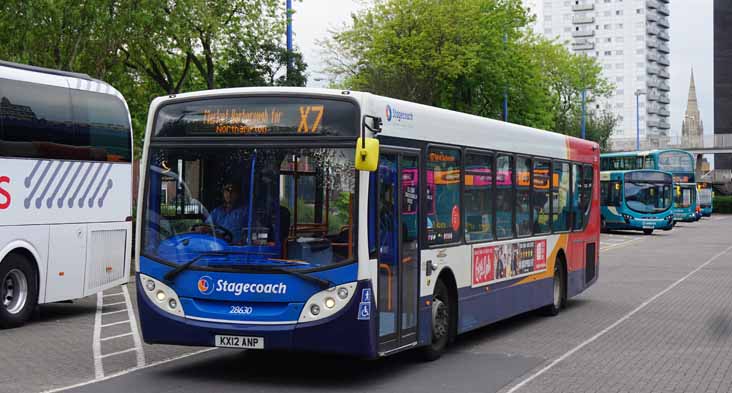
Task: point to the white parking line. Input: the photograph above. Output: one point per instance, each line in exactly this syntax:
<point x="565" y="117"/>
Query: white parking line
<point x="114" y="312"/>
<point x="115" y="323"/>
<point x="133" y="327"/>
<point x="119" y="352"/>
<point x="114" y="304"/>
<point x="96" y="344"/>
<point x="113" y="294"/>
<point x="615" y="324"/>
<point x="117" y="336"/>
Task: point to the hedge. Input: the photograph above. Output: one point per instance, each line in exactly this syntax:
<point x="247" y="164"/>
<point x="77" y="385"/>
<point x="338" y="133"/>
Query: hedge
<point x="722" y="204"/>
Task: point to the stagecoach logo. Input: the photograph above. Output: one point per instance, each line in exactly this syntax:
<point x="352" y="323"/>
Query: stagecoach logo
<point x="393" y="113"/>
<point x="205" y="285"/>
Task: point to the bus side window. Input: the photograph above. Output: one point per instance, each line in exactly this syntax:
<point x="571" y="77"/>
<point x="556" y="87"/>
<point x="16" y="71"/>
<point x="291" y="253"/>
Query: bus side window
<point x="540" y="197"/>
<point x="478" y="197"/>
<point x="443" y="176"/>
<point x="578" y="215"/>
<point x="587" y="189"/>
<point x="505" y="194"/>
<point x="560" y="197"/>
<point x="523" y="195"/>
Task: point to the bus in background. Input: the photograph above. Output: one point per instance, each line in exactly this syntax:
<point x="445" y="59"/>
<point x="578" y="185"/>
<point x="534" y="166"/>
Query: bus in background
<point x="705" y="197"/>
<point x="344" y="222"/>
<point x="638" y="200"/>
<point x="65" y="188"/>
<point x="679" y="163"/>
<point x="685" y="202"/>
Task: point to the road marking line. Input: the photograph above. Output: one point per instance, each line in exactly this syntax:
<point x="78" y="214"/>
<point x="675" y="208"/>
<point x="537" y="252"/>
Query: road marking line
<point x="133" y="327"/>
<point x="96" y="344"/>
<point x="614" y="324"/>
<point x="117" y="336"/>
<point x="114" y="304"/>
<point x="113" y="294"/>
<point x="619" y="245"/>
<point x="119" y="352"/>
<point x="114" y="312"/>
<point x="115" y="323"/>
<point x="124" y="372"/>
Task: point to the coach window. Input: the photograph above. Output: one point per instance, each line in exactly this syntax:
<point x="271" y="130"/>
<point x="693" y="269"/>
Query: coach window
<point x="505" y="192"/>
<point x="102" y="123"/>
<point x="478" y="197"/>
<point x="560" y="197"/>
<point x="587" y="188"/>
<point x="540" y="199"/>
<point x="36" y="121"/>
<point x="443" y="196"/>
<point x="578" y="214"/>
<point x="523" y="196"/>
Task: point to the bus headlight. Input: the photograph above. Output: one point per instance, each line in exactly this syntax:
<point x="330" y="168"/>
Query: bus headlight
<point x="162" y="296"/>
<point x="323" y="304"/>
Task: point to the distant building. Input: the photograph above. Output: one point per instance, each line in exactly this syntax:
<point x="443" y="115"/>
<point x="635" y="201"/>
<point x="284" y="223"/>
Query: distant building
<point x="692" y="128"/>
<point x="630" y="39"/>
<point x="723" y="76"/>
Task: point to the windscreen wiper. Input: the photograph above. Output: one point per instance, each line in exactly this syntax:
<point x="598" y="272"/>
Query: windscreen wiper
<point x="169" y="276"/>
<point x="323" y="283"/>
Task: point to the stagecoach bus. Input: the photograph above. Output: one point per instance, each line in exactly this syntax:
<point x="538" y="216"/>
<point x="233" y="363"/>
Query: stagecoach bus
<point x="637" y="200"/>
<point x="65" y="188"/>
<point x="705" y="196"/>
<point x="344" y="222"/>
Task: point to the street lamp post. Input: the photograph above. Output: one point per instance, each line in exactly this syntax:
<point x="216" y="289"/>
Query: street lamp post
<point x="638" y="93"/>
<point x="505" y="89"/>
<point x="584" y="112"/>
<point x="289" y="36"/>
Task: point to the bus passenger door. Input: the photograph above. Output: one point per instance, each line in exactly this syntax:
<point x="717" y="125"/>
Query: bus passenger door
<point x="398" y="253"/>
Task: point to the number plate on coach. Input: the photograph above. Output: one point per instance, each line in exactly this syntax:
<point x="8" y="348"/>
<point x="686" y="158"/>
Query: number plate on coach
<point x="240" y="342"/>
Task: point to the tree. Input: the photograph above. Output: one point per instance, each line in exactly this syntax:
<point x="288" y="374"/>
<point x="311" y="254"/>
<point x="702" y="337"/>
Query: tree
<point x="463" y="55"/>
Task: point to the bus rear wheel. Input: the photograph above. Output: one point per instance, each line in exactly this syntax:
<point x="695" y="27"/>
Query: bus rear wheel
<point x="441" y="317"/>
<point x="647" y="231"/>
<point x="558" y="291"/>
<point x="18" y="291"/>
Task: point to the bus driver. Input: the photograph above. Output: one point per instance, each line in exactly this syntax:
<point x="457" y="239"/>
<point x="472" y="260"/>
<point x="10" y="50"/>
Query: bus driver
<point x="229" y="215"/>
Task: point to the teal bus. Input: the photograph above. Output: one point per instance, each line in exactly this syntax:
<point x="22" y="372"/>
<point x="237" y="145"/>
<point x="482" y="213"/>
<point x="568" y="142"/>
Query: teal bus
<point x="679" y="163"/>
<point x="705" y="197"/>
<point x="636" y="200"/>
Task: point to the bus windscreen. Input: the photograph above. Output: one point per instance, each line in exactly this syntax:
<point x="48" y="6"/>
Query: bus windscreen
<point x="258" y="116"/>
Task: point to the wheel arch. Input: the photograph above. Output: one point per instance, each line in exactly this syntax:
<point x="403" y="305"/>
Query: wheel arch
<point x="26" y="250"/>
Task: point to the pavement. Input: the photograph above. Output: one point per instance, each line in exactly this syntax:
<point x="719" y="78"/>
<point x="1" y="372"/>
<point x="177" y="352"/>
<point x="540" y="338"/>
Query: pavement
<point x="658" y="319"/>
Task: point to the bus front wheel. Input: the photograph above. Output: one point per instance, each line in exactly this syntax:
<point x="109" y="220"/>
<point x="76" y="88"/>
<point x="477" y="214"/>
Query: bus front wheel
<point x="18" y="291"/>
<point x="647" y="231"/>
<point x="441" y="314"/>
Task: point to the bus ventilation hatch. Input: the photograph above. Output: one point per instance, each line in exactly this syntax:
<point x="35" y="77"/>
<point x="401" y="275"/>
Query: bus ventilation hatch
<point x="590" y="262"/>
<point x="106" y="260"/>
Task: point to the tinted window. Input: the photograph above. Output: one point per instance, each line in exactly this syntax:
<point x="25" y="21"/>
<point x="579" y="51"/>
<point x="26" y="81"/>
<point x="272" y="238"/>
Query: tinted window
<point x="523" y="196"/>
<point x="578" y="215"/>
<point x="504" y="196"/>
<point x="560" y="197"/>
<point x="443" y="196"/>
<point x="610" y="193"/>
<point x="540" y="200"/>
<point x="587" y="183"/>
<point x="102" y="122"/>
<point x="478" y="197"/>
<point x="38" y="122"/>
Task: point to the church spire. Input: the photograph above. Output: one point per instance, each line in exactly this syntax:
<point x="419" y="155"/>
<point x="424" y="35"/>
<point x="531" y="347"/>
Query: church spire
<point x="692" y="128"/>
<point x="692" y="104"/>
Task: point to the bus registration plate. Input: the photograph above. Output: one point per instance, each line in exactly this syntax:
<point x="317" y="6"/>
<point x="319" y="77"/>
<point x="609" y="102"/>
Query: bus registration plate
<point x="649" y="225"/>
<point x="240" y="342"/>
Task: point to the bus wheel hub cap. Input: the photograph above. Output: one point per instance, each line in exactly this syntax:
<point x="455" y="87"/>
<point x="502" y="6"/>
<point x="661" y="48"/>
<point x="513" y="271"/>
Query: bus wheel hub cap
<point x="439" y="319"/>
<point x="14" y="291"/>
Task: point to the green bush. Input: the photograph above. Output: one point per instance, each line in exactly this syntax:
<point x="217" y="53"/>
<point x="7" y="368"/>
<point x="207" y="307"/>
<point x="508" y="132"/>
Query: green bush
<point x="722" y="204"/>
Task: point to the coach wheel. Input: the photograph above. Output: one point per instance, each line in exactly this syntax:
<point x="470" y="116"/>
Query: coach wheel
<point x="647" y="231"/>
<point x="440" y="322"/>
<point x="18" y="291"/>
<point x="558" y="290"/>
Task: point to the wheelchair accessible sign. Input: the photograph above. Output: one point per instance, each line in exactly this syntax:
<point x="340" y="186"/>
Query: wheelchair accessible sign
<point x="364" y="307"/>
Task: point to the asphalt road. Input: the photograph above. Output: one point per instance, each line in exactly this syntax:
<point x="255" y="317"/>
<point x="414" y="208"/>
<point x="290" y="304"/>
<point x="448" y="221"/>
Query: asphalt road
<point x="658" y="319"/>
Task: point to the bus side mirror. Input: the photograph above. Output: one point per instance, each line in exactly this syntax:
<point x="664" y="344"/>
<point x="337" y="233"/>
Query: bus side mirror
<point x="367" y="154"/>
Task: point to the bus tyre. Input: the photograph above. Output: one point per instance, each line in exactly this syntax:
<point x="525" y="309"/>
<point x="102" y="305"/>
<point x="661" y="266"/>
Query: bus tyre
<point x="558" y="291"/>
<point x="18" y="291"/>
<point x="441" y="317"/>
<point x="647" y="231"/>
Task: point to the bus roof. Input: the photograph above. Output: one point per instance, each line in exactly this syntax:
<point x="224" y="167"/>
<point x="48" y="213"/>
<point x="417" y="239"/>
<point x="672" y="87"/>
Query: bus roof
<point x="427" y="123"/>
<point x="640" y="153"/>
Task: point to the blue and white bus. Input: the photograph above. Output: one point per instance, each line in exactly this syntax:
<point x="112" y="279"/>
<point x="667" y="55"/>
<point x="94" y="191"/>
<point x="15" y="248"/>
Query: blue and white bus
<point x="344" y="222"/>
<point x="637" y="200"/>
<point x="685" y="202"/>
<point x="705" y="197"/>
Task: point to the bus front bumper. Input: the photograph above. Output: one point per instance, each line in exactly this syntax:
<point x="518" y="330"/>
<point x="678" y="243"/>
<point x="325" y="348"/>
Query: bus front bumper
<point x="343" y="333"/>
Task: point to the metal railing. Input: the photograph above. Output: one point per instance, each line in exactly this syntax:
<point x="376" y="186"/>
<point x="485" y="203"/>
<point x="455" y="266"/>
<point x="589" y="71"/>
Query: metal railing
<point x="716" y="141"/>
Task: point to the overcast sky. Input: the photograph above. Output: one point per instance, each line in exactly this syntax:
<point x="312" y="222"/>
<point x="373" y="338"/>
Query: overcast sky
<point x="691" y="46"/>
